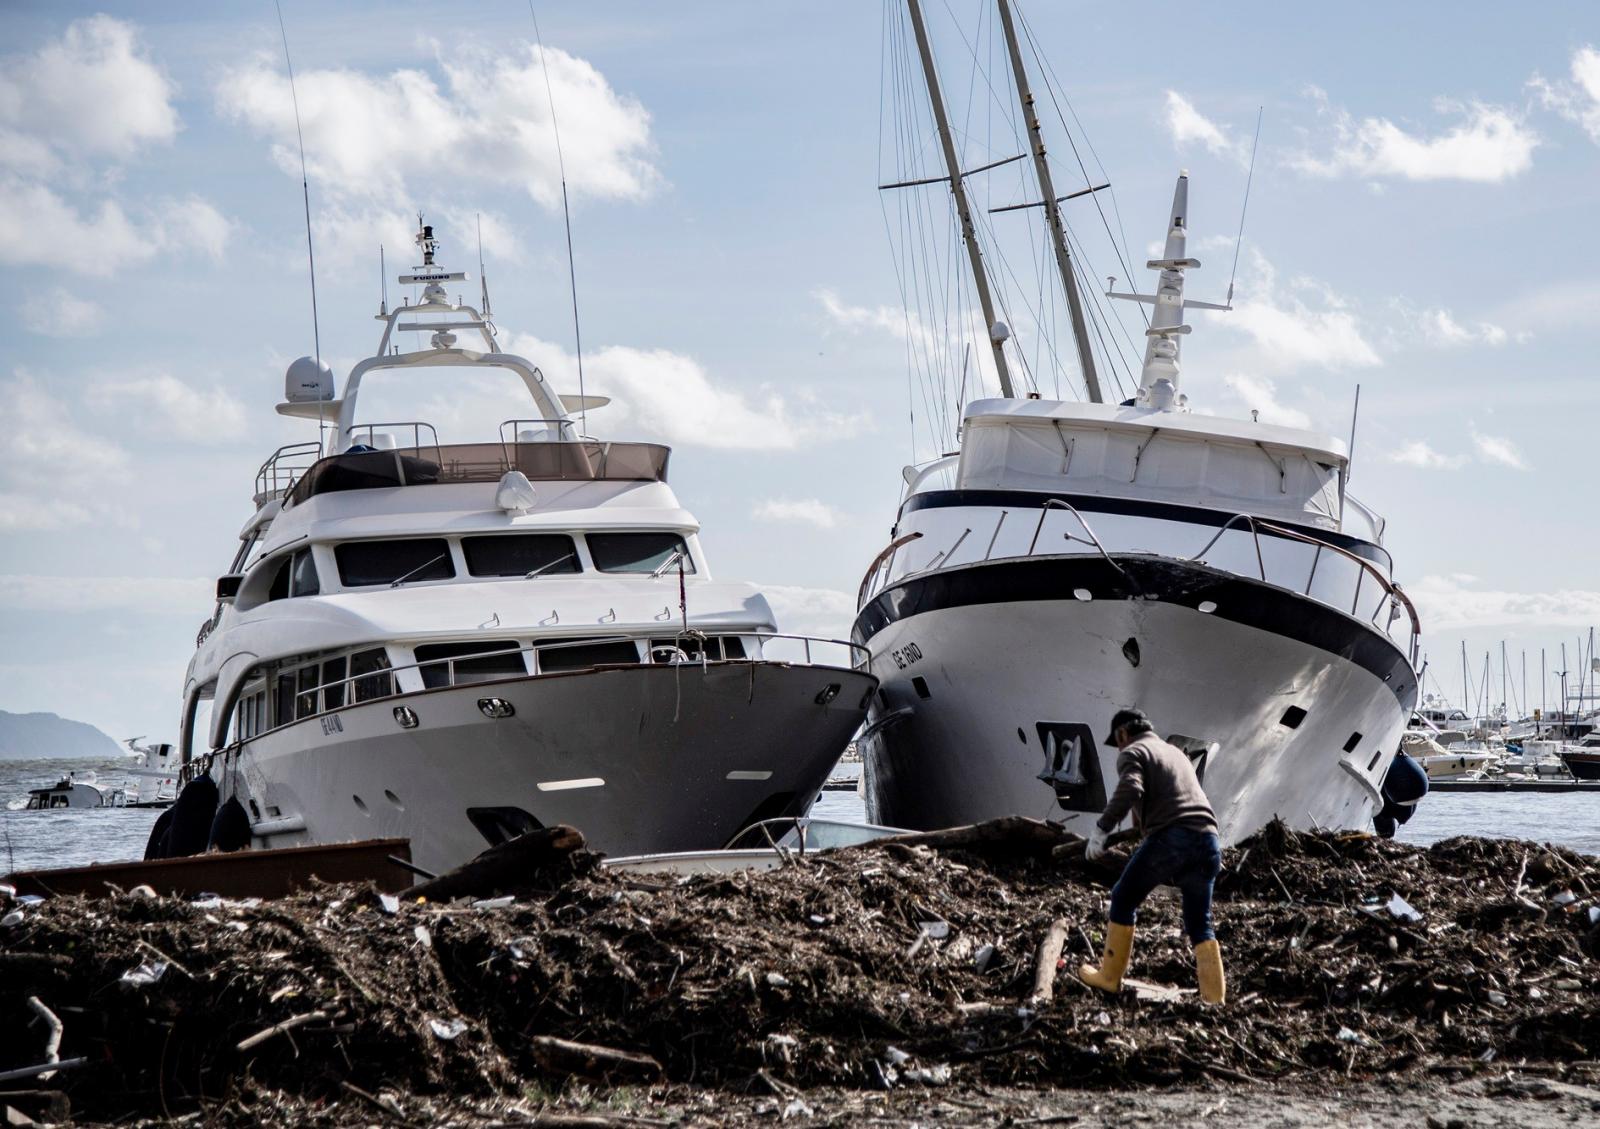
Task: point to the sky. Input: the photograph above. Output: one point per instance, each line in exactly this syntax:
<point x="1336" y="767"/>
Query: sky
<point x="1420" y="210"/>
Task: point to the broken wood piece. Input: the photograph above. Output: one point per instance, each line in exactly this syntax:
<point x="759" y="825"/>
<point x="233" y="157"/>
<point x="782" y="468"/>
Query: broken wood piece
<point x="1044" y="968"/>
<point x="52" y="1042"/>
<point x="504" y="868"/>
<point x="1008" y="835"/>
<point x="586" y="1058"/>
<point x="279" y="1028"/>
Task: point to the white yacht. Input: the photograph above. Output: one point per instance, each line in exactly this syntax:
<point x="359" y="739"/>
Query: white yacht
<point x="76" y="791"/>
<point x="459" y="642"/>
<point x="1074" y="558"/>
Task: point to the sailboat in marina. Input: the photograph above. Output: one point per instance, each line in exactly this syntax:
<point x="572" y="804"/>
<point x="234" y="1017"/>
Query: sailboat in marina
<point x="1075" y="557"/>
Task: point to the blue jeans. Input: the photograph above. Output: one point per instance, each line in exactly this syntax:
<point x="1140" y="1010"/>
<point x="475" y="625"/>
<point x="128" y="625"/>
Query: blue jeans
<point x="1173" y="856"/>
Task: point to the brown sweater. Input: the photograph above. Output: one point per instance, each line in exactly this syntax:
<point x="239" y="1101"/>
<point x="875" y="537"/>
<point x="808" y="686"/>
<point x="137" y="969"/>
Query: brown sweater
<point x="1157" y="783"/>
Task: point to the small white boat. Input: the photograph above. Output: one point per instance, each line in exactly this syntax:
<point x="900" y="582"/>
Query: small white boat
<point x="71" y="792"/>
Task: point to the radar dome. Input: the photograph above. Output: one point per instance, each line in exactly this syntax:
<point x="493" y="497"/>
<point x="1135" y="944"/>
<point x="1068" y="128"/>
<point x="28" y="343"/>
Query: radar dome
<point x="307" y="381"/>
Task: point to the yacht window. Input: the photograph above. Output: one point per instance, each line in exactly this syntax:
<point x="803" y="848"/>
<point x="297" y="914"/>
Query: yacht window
<point x="363" y="563"/>
<point x="520" y="554"/>
<point x="479" y="667"/>
<point x="334" y="686"/>
<point x="686" y="647"/>
<point x="305" y="702"/>
<point x="279" y="588"/>
<point x="303" y="575"/>
<point x="586" y="655"/>
<point x="243" y="554"/>
<point x="375" y="664"/>
<point x="637" y="552"/>
<point x="283" y="700"/>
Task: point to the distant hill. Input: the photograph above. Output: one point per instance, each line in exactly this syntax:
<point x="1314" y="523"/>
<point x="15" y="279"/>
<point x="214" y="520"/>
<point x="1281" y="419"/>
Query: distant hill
<point x="28" y="736"/>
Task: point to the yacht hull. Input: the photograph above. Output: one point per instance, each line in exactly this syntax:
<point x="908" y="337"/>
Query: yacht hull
<point x="640" y="759"/>
<point x="1013" y="667"/>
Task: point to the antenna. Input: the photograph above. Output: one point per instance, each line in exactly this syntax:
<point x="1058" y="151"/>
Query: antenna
<point x="483" y="279"/>
<point x="305" y="183"/>
<point x="1350" y="452"/>
<point x="383" y="285"/>
<point x="1238" y="241"/>
<point x="566" y="216"/>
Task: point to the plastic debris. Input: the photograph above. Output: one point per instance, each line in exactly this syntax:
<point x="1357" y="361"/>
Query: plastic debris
<point x="796" y="1108"/>
<point x="935" y="930"/>
<point x="148" y="972"/>
<point x="424" y="938"/>
<point x="936" y="1075"/>
<point x="11" y="920"/>
<point x="982" y="958"/>
<point x="447" y="1028"/>
<point x="389" y="903"/>
<point x="494" y="903"/>
<point x="1400" y="908"/>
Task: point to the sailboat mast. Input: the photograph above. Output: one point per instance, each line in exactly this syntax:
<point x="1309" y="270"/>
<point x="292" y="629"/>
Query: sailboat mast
<point x="1052" y="208"/>
<point x="969" y="234"/>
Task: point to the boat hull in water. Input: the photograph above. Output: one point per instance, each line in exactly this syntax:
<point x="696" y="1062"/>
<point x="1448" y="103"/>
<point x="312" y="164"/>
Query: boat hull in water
<point x="641" y="759"/>
<point x="998" y="672"/>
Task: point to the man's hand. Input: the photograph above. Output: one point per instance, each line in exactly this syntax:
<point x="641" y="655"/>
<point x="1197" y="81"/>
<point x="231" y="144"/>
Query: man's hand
<point x="1096" y="845"/>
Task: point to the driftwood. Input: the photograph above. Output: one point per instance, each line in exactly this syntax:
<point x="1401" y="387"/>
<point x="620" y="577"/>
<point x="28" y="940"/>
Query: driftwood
<point x="568" y="1057"/>
<point x="1044" y="969"/>
<point x="1008" y="835"/>
<point x="280" y="1028"/>
<point x="504" y="867"/>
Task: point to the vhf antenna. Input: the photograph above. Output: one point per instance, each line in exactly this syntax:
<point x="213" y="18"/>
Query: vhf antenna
<point x="566" y="216"/>
<point x="483" y="279"/>
<point x="1238" y="241"/>
<point x="305" y="183"/>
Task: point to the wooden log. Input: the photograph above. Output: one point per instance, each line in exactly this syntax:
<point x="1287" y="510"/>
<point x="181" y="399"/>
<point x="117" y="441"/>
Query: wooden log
<point x="279" y="1028"/>
<point x="1010" y="835"/>
<point x="504" y="868"/>
<point x="564" y="1056"/>
<point x="1044" y="969"/>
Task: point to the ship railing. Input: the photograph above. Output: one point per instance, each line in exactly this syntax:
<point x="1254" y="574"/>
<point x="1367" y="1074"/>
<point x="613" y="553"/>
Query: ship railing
<point x="1373" y="591"/>
<point x="283" y="469"/>
<point x="387" y="436"/>
<point x="385" y="683"/>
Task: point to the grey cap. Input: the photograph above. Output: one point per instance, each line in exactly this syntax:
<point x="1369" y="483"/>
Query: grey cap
<point x="1125" y="717"/>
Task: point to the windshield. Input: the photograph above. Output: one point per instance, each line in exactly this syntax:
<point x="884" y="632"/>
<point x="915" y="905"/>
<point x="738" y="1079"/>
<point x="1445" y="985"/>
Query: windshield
<point x="638" y="552"/>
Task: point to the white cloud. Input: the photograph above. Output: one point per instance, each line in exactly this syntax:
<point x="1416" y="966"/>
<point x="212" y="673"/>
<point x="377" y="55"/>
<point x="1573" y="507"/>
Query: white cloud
<point x="670" y="398"/>
<point x="1441" y="329"/>
<point x="59" y="313"/>
<point x="52" y="469"/>
<point x="1289" y="331"/>
<point x="1499" y="451"/>
<point x="166" y="406"/>
<point x="1187" y="124"/>
<point x="808" y="510"/>
<point x="1258" y="394"/>
<point x="39" y="227"/>
<point x="1579" y="100"/>
<point x="146" y="594"/>
<point x="1452" y="602"/>
<point x="94" y="91"/>
<point x="478" y="114"/>
<point x="824" y="612"/>
<point x="1489" y="144"/>
<point x="1417" y="453"/>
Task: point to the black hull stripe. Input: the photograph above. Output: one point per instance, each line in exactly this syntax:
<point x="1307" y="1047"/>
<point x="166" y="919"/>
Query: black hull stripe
<point x="1239" y="600"/>
<point x="1135" y="507"/>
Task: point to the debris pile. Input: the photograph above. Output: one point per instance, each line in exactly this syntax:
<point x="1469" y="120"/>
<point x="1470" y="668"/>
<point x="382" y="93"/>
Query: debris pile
<point x="887" y="965"/>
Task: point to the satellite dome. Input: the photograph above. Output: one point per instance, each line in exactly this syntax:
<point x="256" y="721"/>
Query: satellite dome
<point x="307" y="381"/>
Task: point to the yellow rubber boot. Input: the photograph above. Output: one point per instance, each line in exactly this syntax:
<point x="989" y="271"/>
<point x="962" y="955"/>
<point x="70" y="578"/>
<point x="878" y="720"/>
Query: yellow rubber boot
<point x="1208" y="970"/>
<point x="1113" y="962"/>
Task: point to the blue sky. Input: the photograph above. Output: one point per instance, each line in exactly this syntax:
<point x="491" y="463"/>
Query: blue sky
<point x="1419" y="221"/>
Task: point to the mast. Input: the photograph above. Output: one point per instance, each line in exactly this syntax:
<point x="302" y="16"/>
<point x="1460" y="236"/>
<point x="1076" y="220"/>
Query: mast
<point x="1052" y="208"/>
<point x="969" y="235"/>
<point x="1466" y="696"/>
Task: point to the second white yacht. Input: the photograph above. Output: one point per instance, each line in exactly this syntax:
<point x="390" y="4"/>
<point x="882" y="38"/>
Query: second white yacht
<point x="456" y="643"/>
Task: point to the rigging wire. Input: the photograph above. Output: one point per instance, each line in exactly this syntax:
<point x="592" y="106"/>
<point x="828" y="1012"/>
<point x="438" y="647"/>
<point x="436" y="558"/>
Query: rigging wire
<point x="566" y="216"/>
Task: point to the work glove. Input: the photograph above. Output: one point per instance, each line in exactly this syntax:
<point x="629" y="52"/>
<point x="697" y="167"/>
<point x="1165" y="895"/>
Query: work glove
<point x="1096" y="845"/>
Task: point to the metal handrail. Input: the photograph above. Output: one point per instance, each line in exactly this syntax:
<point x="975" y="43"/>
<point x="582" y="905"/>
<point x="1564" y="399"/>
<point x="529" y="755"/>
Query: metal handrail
<point x="860" y="659"/>
<point x="416" y="427"/>
<point x="888" y="551"/>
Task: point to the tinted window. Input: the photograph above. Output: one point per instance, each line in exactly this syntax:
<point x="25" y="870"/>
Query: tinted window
<point x="637" y="552"/>
<point x="303" y="575"/>
<point x="384" y="562"/>
<point x="585" y="655"/>
<point x="333" y="683"/>
<point x="470" y="663"/>
<point x="280" y="579"/>
<point x="378" y="685"/>
<point x="518" y="554"/>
